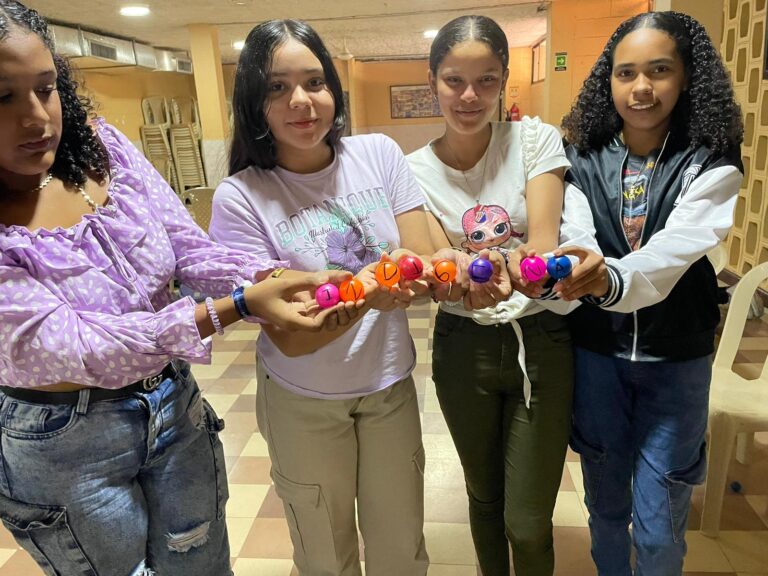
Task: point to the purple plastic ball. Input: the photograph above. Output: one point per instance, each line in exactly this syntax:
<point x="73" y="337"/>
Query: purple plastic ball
<point x="480" y="270"/>
<point x="327" y="295"/>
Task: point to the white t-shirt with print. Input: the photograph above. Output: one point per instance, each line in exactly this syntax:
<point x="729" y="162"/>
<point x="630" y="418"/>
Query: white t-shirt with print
<point x="341" y="217"/>
<point x="485" y="205"/>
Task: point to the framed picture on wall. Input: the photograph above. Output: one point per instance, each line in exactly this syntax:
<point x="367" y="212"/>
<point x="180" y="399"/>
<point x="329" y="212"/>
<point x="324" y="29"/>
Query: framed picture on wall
<point x="413" y="102"/>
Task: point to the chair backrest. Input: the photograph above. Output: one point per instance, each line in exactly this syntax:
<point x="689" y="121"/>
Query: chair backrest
<point x="155" y="110"/>
<point x="158" y="152"/>
<point x="718" y="256"/>
<point x="199" y="203"/>
<point x="186" y="156"/>
<point x="737" y="318"/>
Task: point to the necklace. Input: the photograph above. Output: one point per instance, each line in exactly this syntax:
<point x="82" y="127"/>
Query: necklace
<point x="88" y="199"/>
<point x="44" y="183"/>
<point x="469" y="188"/>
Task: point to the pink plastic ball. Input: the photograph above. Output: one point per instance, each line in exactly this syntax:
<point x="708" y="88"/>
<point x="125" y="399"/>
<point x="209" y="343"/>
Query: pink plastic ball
<point x="533" y="268"/>
<point x="327" y="295"/>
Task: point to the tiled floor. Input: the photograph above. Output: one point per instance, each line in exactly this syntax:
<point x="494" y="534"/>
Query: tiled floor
<point x="259" y="536"/>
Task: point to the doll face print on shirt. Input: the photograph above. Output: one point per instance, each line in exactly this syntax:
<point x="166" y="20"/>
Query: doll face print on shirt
<point x="486" y="226"/>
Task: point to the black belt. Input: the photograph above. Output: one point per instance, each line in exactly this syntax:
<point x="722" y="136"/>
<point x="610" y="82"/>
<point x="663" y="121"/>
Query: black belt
<point x="147" y="384"/>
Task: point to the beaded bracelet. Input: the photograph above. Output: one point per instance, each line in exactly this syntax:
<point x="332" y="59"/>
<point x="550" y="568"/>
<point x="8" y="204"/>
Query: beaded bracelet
<point x="239" y="297"/>
<point x="214" y="316"/>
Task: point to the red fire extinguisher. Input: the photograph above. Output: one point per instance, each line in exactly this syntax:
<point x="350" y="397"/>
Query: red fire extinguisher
<point x="514" y="113"/>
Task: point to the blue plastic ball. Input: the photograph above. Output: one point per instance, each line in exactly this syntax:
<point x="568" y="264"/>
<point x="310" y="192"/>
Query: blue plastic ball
<point x="736" y="486"/>
<point x="480" y="270"/>
<point x="560" y="267"/>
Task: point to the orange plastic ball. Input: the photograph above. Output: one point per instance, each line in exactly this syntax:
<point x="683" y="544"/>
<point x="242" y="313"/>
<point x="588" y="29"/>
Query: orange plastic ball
<point x="387" y="274"/>
<point x="444" y="271"/>
<point x="351" y="290"/>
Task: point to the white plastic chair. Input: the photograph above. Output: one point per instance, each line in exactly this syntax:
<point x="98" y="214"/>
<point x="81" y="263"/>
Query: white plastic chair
<point x="737" y="407"/>
<point x="718" y="256"/>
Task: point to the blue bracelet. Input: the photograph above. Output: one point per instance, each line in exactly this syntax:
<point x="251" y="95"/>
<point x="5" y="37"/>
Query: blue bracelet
<point x="239" y="297"/>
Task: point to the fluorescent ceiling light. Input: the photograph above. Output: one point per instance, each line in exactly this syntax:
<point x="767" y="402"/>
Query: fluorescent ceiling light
<point x="430" y="34"/>
<point x="135" y="10"/>
<point x="238" y="44"/>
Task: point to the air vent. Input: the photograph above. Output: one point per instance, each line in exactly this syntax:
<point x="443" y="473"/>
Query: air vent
<point x="106" y="52"/>
<point x="100" y="50"/>
<point x="184" y="65"/>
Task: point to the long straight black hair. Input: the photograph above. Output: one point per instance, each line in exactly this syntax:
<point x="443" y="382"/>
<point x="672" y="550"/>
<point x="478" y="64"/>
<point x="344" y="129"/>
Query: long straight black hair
<point x="252" y="142"/>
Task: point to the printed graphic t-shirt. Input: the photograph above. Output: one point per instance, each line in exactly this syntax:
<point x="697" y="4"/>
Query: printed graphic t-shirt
<point x="635" y="180"/>
<point x="341" y="217"/>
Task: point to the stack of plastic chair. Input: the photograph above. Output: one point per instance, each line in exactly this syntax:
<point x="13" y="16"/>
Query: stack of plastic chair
<point x="158" y="152"/>
<point x="155" y="110"/>
<point x="737" y="407"/>
<point x="186" y="155"/>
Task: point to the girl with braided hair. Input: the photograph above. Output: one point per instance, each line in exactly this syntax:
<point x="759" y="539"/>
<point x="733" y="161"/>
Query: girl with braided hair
<point x="654" y="146"/>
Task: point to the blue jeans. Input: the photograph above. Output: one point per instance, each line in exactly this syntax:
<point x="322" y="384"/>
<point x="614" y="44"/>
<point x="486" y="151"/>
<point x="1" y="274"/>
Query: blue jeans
<point x="639" y="427"/>
<point x="117" y="487"/>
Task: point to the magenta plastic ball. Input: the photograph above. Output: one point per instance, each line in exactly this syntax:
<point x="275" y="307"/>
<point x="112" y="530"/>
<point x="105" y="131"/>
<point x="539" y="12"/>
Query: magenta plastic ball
<point x="327" y="295"/>
<point x="480" y="271"/>
<point x="533" y="268"/>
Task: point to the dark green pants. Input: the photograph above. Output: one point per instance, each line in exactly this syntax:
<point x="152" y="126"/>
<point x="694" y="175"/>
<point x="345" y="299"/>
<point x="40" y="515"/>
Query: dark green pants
<point x="512" y="455"/>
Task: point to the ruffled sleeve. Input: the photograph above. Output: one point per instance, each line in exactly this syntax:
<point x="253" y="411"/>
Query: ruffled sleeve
<point x="542" y="148"/>
<point x="201" y="264"/>
<point x="44" y="340"/>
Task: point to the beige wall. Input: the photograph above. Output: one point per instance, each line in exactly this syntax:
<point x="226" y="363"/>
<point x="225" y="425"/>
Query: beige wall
<point x="580" y="28"/>
<point x="708" y="12"/>
<point x="518" y="88"/>
<point x="742" y="49"/>
<point x="118" y="93"/>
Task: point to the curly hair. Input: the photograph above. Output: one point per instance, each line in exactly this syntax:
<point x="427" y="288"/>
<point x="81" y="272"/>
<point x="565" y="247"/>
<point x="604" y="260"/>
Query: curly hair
<point x="706" y="114"/>
<point x="80" y="153"/>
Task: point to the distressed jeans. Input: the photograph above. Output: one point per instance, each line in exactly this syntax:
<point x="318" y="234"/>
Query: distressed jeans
<point x="126" y="487"/>
<point x="639" y="427"/>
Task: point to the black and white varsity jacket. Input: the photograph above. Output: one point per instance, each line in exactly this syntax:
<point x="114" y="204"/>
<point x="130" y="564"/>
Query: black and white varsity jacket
<point x="662" y="302"/>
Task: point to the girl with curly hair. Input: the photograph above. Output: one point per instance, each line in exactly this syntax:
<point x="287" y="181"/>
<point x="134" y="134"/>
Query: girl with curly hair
<point x="111" y="462"/>
<point x="654" y="146"/>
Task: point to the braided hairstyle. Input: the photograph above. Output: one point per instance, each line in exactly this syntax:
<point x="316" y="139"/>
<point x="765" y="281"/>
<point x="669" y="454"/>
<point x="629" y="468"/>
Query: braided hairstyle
<point x="706" y="114"/>
<point x="80" y="153"/>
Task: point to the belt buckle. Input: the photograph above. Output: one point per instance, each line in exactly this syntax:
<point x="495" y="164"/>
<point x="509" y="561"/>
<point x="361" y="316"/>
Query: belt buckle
<point x="152" y="382"/>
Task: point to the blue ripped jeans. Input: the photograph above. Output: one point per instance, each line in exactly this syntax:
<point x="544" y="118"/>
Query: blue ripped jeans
<point x="122" y="487"/>
<point x="639" y="428"/>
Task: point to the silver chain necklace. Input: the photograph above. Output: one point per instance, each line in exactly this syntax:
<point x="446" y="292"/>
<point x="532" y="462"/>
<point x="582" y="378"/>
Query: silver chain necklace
<point x="469" y="188"/>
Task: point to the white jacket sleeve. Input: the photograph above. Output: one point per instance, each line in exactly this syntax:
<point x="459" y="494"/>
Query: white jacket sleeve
<point x="696" y="225"/>
<point x="577" y="228"/>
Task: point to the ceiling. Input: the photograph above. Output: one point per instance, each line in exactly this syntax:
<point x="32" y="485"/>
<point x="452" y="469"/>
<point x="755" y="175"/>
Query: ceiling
<point x="372" y="28"/>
